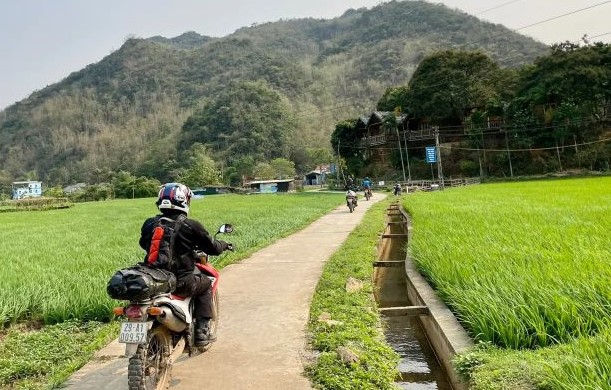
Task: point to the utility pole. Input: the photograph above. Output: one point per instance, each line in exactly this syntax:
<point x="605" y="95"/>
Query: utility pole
<point x="339" y="164"/>
<point x="409" y="173"/>
<point x="439" y="166"/>
<point x="508" y="153"/>
<point x="481" y="132"/>
<point x="400" y="152"/>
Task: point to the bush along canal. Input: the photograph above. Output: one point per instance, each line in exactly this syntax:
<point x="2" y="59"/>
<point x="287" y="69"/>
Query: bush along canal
<point x="417" y="325"/>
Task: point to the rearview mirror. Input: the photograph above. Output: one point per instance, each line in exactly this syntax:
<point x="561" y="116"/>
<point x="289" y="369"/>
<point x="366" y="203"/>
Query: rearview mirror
<point x="225" y="228"/>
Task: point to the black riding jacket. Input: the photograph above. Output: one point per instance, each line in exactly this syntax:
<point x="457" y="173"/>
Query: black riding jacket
<point x="192" y="235"/>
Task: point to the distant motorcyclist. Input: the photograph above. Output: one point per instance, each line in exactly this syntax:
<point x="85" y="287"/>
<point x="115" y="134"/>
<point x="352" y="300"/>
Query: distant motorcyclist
<point x="349" y="183"/>
<point x="367" y="187"/>
<point x="173" y="202"/>
<point x="351" y="197"/>
<point x="397" y="189"/>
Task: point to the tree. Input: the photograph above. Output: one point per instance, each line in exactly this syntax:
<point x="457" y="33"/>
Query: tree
<point x="126" y="185"/>
<point x="448" y="84"/>
<point x="201" y="170"/>
<point x="395" y="97"/>
<point x="245" y="119"/>
<point x="319" y="156"/>
<point x="264" y="171"/>
<point x="283" y="168"/>
<point x="581" y="75"/>
<point x="345" y="140"/>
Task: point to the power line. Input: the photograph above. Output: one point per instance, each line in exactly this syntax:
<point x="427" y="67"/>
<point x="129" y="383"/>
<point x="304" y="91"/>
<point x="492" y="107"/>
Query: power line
<point x="442" y="146"/>
<point x="443" y="81"/>
<point x="529" y="149"/>
<point x="540" y="22"/>
<point x="497" y="7"/>
<point x="312" y="111"/>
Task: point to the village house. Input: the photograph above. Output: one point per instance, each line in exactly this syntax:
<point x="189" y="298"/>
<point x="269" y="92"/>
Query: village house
<point x="26" y="189"/>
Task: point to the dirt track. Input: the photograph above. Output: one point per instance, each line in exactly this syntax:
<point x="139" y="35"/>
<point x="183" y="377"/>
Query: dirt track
<point x="265" y="302"/>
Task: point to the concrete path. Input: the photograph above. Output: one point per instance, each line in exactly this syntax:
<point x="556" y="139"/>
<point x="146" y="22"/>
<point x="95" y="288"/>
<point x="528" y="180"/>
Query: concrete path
<point x="264" y="305"/>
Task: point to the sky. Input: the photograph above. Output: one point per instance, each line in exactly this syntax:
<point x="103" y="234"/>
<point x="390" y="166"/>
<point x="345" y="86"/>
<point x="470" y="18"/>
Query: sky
<point x="43" y="41"/>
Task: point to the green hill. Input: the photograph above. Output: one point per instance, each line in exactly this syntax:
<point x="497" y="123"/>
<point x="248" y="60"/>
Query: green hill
<point x="142" y="106"/>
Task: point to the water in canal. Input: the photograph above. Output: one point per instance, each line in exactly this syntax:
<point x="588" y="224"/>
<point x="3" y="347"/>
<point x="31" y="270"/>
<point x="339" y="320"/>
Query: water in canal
<point x="418" y="366"/>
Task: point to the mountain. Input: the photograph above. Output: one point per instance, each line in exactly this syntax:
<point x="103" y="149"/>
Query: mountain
<point x="142" y="106"/>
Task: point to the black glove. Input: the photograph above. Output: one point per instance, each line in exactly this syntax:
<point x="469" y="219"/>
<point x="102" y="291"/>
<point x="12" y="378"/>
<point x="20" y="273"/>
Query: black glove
<point x="226" y="245"/>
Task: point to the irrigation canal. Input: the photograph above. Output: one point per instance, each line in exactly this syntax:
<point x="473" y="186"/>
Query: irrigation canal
<point x="418" y="365"/>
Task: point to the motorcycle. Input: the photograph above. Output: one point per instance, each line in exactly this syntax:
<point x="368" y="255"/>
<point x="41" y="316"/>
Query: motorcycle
<point x="351" y="202"/>
<point x="367" y="193"/>
<point x="157" y="331"/>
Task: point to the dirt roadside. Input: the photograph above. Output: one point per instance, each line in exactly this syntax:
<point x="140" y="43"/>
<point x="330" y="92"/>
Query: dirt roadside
<point x="264" y="301"/>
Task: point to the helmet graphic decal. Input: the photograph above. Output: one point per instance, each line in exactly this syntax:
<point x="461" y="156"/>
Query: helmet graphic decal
<point x="174" y="196"/>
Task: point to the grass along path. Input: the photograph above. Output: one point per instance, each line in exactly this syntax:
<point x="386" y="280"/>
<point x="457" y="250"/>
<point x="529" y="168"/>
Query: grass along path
<point x="345" y="329"/>
<point x="57" y="263"/>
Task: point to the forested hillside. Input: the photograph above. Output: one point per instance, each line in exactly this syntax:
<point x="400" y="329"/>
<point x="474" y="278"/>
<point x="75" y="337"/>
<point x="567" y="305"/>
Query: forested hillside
<point x="268" y="91"/>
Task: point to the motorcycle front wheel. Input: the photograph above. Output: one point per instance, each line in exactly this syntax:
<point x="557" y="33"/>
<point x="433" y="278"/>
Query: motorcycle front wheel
<point x="149" y="369"/>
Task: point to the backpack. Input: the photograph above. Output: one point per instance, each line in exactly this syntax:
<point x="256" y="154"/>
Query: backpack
<point x="161" y="252"/>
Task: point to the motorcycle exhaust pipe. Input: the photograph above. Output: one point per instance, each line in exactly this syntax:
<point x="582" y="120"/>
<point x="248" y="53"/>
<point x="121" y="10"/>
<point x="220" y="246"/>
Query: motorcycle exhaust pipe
<point x="170" y="320"/>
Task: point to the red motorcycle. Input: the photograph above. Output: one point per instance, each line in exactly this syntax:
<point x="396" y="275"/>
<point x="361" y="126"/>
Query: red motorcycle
<point x="158" y="330"/>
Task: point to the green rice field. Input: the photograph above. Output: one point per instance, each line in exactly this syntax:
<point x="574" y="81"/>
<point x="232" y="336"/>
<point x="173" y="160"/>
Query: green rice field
<point x="525" y="266"/>
<point x="55" y="264"/>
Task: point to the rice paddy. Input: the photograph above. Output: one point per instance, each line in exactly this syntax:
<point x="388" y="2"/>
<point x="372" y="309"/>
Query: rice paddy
<point x="55" y="264"/>
<point x="523" y="265"/>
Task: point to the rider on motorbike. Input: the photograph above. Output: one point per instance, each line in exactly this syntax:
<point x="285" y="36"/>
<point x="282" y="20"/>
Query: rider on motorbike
<point x="367" y="185"/>
<point x="351" y="197"/>
<point x="397" y="189"/>
<point x="173" y="202"/>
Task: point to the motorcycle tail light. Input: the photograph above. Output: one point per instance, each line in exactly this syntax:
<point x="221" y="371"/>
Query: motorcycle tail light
<point x="118" y="311"/>
<point x="155" y="311"/>
<point x="133" y="312"/>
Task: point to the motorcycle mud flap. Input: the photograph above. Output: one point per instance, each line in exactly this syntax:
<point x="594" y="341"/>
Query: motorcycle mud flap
<point x="130" y="350"/>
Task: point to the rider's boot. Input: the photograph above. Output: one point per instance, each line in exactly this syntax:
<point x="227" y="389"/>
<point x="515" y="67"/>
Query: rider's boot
<point x="202" y="333"/>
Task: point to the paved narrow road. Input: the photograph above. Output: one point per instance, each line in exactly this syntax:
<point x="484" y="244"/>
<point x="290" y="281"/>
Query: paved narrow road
<point x="264" y="301"/>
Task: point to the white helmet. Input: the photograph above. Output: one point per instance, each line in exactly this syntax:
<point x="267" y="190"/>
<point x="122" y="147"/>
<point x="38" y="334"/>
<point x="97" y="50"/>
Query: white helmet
<point x="174" y="196"/>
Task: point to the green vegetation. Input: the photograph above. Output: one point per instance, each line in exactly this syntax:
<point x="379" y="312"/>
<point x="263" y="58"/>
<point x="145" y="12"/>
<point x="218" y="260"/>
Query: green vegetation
<point x="345" y="327"/>
<point x="524" y="266"/>
<point x="56" y="265"/>
<point x="32" y="204"/>
<point x="495" y="121"/>
<point x="43" y="359"/>
<point x="267" y="91"/>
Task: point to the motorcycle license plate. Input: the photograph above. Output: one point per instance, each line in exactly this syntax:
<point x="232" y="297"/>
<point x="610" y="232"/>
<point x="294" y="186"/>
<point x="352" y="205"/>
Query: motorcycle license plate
<point x="134" y="332"/>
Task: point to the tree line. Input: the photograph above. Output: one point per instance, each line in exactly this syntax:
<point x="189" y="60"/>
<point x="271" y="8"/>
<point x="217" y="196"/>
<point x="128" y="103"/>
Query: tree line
<point x="497" y="121"/>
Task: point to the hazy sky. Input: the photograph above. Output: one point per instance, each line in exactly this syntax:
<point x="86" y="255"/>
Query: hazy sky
<point x="43" y="41"/>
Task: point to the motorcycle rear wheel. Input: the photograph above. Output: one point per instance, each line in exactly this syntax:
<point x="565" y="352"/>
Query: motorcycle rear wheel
<point x="149" y="368"/>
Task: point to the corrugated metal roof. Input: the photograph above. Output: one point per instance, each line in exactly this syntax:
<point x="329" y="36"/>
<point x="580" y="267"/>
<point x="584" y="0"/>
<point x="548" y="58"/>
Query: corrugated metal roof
<point x="270" y="181"/>
<point x="383" y="114"/>
<point x="364" y="120"/>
